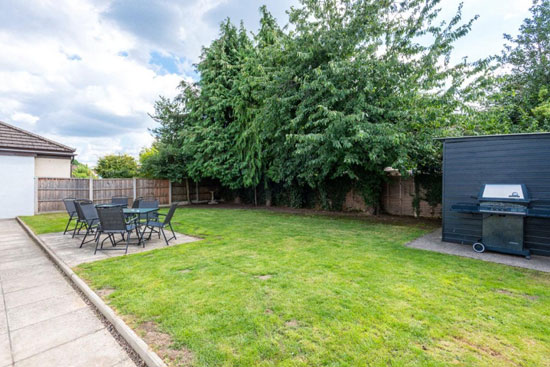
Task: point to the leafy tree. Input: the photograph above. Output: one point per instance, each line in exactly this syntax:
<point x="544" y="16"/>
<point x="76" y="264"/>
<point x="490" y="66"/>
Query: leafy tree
<point x="520" y="100"/>
<point x="322" y="105"/>
<point x="81" y="170"/>
<point x="117" y="166"/>
<point x="148" y="165"/>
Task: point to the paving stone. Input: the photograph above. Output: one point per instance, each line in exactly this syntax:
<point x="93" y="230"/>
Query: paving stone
<point x="432" y="242"/>
<point x="32" y="281"/>
<point x="8" y="258"/>
<point x="49" y="324"/>
<point x="43" y="310"/>
<point x="125" y="363"/>
<point x="68" y="250"/>
<point x="39" y="293"/>
<point x="97" y="349"/>
<point x="43" y="270"/>
<point x="3" y="323"/>
<point x="25" y="263"/>
<point x="76" y="324"/>
<point x="5" y="353"/>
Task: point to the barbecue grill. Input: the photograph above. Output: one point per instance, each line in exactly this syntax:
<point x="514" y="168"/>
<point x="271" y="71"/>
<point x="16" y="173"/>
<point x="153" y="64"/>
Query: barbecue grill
<point x="504" y="207"/>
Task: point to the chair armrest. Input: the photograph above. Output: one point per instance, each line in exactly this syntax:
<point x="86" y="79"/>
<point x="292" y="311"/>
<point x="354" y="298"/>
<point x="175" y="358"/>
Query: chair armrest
<point x="133" y="219"/>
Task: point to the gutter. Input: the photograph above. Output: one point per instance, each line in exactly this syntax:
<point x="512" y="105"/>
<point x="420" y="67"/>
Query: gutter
<point x="43" y="152"/>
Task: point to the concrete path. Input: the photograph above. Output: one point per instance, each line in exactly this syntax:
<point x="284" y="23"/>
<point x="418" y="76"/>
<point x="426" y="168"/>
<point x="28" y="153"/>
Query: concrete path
<point x="432" y="242"/>
<point x="43" y="321"/>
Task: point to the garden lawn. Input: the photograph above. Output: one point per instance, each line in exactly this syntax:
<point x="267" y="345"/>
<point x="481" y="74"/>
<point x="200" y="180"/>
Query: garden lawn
<point x="271" y="289"/>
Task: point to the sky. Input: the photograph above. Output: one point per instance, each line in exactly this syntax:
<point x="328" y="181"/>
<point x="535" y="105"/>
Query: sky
<point x="86" y="73"/>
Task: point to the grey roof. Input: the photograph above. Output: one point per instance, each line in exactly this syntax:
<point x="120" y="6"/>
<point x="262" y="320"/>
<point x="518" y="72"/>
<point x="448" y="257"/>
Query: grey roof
<point x="495" y="136"/>
<point x="14" y="139"/>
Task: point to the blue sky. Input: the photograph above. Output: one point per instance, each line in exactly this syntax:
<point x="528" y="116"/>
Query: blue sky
<point x="87" y="72"/>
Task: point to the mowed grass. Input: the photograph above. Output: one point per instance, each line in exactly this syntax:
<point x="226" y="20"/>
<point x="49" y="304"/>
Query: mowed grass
<point x="271" y="289"/>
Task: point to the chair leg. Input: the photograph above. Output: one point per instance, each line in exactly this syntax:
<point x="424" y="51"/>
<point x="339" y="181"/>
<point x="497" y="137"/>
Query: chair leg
<point x="164" y="235"/>
<point x="75" y="227"/>
<point x="140" y="238"/>
<point x="127" y="242"/>
<point x="172" y="229"/>
<point x="97" y="243"/>
<point x="85" y="235"/>
<point x="69" y="222"/>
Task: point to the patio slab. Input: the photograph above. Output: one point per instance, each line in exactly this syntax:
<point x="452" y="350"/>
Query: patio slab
<point x="43" y="320"/>
<point x="432" y="242"/>
<point x="67" y="248"/>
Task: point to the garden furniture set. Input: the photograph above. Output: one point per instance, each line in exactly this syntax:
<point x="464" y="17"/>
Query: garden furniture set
<point x="115" y="218"/>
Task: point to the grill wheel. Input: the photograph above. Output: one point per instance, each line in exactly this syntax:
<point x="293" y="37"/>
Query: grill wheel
<point x="478" y="247"/>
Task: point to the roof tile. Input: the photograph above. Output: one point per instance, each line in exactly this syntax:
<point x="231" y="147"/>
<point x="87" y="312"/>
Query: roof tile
<point x="16" y="138"/>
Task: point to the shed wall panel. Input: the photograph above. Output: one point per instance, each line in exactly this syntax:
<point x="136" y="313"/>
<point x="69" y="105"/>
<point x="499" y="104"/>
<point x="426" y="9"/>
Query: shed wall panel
<point x="469" y="163"/>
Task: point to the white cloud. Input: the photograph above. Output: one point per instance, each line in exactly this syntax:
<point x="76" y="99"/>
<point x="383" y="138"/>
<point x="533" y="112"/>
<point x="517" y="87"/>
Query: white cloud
<point x="78" y="71"/>
<point x="25" y="118"/>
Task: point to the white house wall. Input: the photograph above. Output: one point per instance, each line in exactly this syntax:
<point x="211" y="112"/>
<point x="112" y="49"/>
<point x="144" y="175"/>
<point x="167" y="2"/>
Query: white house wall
<point x="16" y="186"/>
<point x="52" y="167"/>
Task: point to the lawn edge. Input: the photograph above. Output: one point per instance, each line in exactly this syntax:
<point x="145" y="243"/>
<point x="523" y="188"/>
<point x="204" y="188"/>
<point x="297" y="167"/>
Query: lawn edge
<point x="134" y="341"/>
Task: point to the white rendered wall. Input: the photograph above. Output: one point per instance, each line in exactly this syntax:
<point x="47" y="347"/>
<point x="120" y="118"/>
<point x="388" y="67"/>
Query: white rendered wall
<point x="16" y="186"/>
<point x="52" y="167"/>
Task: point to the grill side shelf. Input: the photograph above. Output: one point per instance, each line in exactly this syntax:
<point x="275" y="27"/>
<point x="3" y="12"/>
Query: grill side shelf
<point x="465" y="208"/>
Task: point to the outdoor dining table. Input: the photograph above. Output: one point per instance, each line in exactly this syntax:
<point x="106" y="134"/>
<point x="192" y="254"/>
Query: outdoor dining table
<point x="140" y="211"/>
<point x="109" y="205"/>
<point x="132" y="211"/>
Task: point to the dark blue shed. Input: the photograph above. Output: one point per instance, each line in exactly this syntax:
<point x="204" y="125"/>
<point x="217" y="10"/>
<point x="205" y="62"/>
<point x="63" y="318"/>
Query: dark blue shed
<point x="470" y="162"/>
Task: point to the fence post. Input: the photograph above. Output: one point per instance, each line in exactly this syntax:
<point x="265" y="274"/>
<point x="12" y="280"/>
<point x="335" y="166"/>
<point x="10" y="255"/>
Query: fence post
<point x="91" y="187"/>
<point x="36" y="195"/>
<point x="197" y="191"/>
<point x="400" y="197"/>
<point x="187" y="190"/>
<point x="134" y="186"/>
<point x="169" y="192"/>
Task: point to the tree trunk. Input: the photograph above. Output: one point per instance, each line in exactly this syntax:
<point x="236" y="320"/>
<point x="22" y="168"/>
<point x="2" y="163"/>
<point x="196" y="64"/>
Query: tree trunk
<point x="187" y="189"/>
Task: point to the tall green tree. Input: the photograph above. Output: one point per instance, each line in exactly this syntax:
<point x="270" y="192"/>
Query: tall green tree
<point x="81" y="170"/>
<point x="325" y="104"/>
<point x="117" y="166"/>
<point x="521" y="98"/>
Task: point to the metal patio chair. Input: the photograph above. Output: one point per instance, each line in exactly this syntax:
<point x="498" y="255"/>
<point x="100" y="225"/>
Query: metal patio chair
<point x="88" y="217"/>
<point x="158" y="227"/>
<point x="112" y="221"/>
<point x="148" y="203"/>
<point x="80" y="220"/>
<point x="71" y="210"/>
<point x="135" y="204"/>
<point x="120" y="200"/>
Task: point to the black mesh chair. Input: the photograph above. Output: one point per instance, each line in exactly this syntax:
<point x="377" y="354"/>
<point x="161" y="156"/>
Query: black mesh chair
<point x="120" y="200"/>
<point x="151" y="204"/>
<point x="80" y="220"/>
<point x="158" y="227"/>
<point x="71" y="210"/>
<point x="135" y="204"/>
<point x="87" y="214"/>
<point x="112" y="221"/>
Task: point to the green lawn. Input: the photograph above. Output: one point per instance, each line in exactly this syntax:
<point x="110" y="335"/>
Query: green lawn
<point x="339" y="292"/>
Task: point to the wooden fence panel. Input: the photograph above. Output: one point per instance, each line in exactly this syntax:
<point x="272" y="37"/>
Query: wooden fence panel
<point x="398" y="196"/>
<point x="52" y="191"/>
<point x="179" y="191"/>
<point x="158" y="189"/>
<point x="106" y="188"/>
